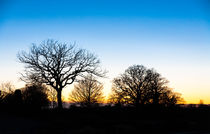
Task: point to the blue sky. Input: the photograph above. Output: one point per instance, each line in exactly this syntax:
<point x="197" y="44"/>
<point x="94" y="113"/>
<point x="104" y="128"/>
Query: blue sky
<point x="171" y="36"/>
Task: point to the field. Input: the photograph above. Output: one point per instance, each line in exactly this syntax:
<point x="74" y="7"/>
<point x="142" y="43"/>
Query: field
<point x="106" y="120"/>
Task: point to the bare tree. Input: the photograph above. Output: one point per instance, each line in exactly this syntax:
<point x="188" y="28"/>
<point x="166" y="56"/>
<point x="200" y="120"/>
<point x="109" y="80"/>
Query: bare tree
<point x="170" y="98"/>
<point x="58" y="65"/>
<point x="88" y="91"/>
<point x="139" y="85"/>
<point x="8" y="94"/>
<point x="129" y="87"/>
<point x="7" y="87"/>
<point x="156" y="87"/>
<point x="158" y="91"/>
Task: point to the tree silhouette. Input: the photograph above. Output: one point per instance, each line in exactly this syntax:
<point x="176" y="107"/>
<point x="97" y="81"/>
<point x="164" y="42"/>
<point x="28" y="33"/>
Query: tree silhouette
<point x="6" y="93"/>
<point x="58" y="65"/>
<point x="35" y="96"/>
<point x="129" y="87"/>
<point x="7" y="87"/>
<point x="87" y="92"/>
<point x="52" y="96"/>
<point x="139" y="85"/>
<point x="18" y="97"/>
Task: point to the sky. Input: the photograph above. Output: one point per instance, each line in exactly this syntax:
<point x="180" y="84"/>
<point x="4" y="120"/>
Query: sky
<point x="172" y="37"/>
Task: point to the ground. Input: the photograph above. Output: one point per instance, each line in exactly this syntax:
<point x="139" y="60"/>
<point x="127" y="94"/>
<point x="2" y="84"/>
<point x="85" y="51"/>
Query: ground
<point x="105" y="121"/>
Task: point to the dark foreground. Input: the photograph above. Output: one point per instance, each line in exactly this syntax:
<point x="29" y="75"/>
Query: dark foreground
<point x="106" y="120"/>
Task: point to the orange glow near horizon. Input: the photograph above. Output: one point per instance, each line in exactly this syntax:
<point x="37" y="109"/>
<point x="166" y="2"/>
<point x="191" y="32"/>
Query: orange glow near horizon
<point x="193" y="86"/>
<point x="171" y="37"/>
<point x="191" y="94"/>
<point x="188" y="98"/>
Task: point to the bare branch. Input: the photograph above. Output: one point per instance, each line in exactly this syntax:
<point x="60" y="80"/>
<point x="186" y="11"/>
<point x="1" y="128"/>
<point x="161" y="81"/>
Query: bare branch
<point x="58" y="64"/>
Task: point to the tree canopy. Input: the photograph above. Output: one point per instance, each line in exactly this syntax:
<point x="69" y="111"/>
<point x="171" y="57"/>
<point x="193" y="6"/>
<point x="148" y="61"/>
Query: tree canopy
<point x="139" y="85"/>
<point x="87" y="92"/>
<point x="58" y="65"/>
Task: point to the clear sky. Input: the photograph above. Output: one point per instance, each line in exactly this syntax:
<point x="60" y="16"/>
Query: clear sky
<point x="172" y="36"/>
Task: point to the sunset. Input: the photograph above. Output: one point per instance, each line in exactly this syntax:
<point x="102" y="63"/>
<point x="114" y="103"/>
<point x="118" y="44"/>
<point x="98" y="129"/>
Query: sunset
<point x="169" y="39"/>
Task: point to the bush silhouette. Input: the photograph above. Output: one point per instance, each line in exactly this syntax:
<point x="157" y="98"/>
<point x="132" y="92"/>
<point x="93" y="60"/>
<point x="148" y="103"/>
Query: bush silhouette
<point x="35" y="96"/>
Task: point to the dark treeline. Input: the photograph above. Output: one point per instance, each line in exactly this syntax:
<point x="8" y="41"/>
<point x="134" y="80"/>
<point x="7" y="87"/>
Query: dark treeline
<point x="28" y="107"/>
<point x="58" y="65"/>
<point x="52" y="66"/>
<point x="140" y="101"/>
<point x="25" y="111"/>
<point x="137" y="87"/>
<point x="33" y="96"/>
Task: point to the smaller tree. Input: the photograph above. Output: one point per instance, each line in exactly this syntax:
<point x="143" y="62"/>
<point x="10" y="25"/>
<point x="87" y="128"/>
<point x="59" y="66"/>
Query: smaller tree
<point x="52" y="96"/>
<point x="6" y="88"/>
<point x="87" y="92"/>
<point x="170" y="98"/>
<point x="130" y="87"/>
<point x="6" y="93"/>
<point x="117" y="98"/>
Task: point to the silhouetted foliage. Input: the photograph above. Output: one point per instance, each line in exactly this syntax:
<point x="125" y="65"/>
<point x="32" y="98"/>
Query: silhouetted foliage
<point x="6" y="87"/>
<point x="18" y="97"/>
<point x="6" y="94"/>
<point x="58" y="65"/>
<point x="35" y="96"/>
<point x="87" y="92"/>
<point x="139" y="85"/>
<point x="158" y="91"/>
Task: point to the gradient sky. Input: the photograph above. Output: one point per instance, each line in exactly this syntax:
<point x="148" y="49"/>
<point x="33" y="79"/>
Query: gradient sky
<point x="171" y="36"/>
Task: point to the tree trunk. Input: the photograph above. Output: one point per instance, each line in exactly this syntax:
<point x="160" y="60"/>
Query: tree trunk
<point x="137" y="100"/>
<point x="156" y="98"/>
<point x="59" y="99"/>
